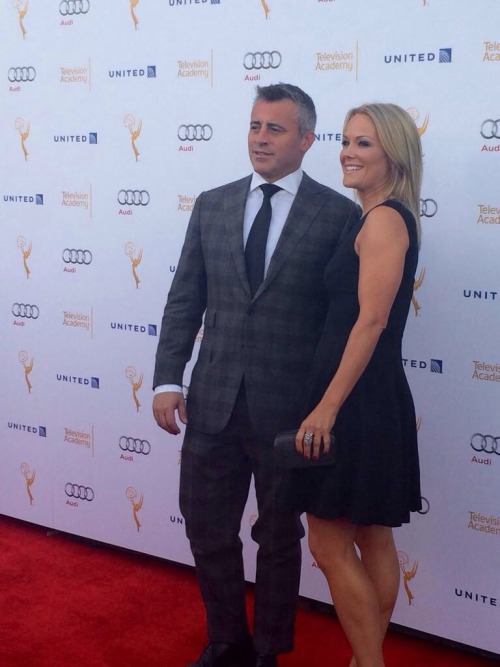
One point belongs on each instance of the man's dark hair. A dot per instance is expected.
(286, 91)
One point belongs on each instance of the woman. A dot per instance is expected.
(359, 389)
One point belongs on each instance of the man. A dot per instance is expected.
(248, 381)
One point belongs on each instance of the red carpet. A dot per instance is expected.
(68, 602)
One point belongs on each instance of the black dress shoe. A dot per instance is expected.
(266, 661)
(219, 654)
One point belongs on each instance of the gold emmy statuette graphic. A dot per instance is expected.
(419, 422)
(407, 574)
(22, 8)
(136, 382)
(418, 282)
(129, 122)
(21, 244)
(415, 114)
(135, 261)
(133, 5)
(28, 367)
(265, 7)
(131, 494)
(24, 132)
(30, 478)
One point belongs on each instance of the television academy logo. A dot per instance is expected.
(408, 573)
(487, 372)
(79, 437)
(136, 503)
(135, 20)
(135, 260)
(36, 199)
(29, 478)
(133, 73)
(22, 9)
(416, 285)
(25, 249)
(443, 55)
(488, 214)
(135, 380)
(265, 8)
(135, 130)
(23, 129)
(27, 364)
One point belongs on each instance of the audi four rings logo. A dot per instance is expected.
(25, 310)
(134, 445)
(133, 197)
(72, 7)
(490, 129)
(428, 208)
(262, 60)
(195, 132)
(425, 506)
(79, 491)
(488, 444)
(21, 74)
(72, 256)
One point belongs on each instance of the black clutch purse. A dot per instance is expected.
(288, 457)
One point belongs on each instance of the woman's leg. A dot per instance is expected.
(379, 556)
(353, 592)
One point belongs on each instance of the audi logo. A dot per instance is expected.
(134, 445)
(133, 197)
(425, 506)
(72, 256)
(485, 443)
(195, 132)
(72, 7)
(428, 208)
(490, 129)
(25, 310)
(79, 491)
(21, 74)
(262, 60)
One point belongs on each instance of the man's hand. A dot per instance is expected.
(164, 406)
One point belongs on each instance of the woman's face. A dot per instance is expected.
(364, 163)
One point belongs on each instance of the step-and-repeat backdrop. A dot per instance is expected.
(114, 116)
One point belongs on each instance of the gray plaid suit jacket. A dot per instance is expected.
(268, 340)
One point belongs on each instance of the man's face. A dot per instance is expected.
(275, 145)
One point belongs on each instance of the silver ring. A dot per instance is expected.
(308, 438)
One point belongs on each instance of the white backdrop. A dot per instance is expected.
(114, 116)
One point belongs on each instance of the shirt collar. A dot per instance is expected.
(290, 182)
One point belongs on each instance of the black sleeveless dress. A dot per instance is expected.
(376, 477)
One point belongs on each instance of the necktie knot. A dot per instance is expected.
(269, 189)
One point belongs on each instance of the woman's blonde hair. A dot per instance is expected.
(400, 141)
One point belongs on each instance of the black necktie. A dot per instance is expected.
(255, 249)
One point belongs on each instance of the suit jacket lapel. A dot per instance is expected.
(305, 208)
(233, 214)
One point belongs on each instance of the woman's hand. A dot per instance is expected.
(313, 437)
